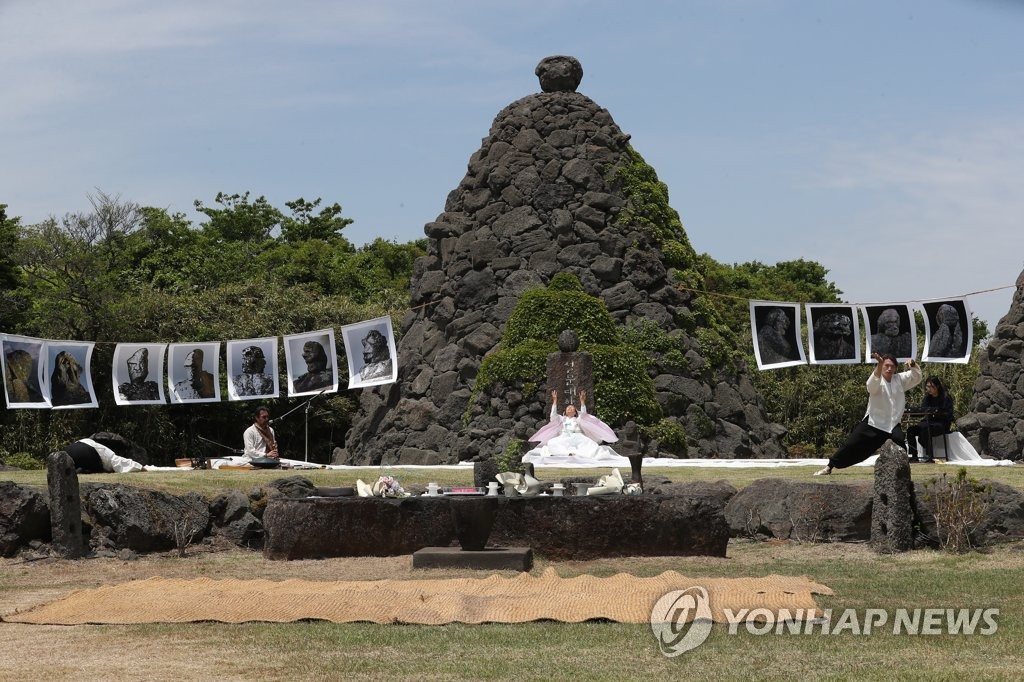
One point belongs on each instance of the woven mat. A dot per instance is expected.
(496, 599)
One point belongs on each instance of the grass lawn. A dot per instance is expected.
(211, 482)
(541, 650)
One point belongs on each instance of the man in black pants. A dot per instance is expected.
(886, 400)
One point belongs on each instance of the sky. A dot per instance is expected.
(883, 139)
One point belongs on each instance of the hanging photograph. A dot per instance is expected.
(312, 362)
(138, 373)
(949, 333)
(70, 369)
(775, 328)
(370, 350)
(24, 366)
(833, 334)
(193, 372)
(252, 369)
(890, 330)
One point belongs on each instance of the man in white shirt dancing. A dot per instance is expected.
(886, 400)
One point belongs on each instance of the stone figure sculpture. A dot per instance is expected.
(66, 381)
(833, 337)
(773, 338)
(377, 357)
(198, 383)
(947, 340)
(22, 386)
(137, 387)
(317, 375)
(889, 338)
(252, 380)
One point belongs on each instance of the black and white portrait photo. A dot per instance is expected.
(775, 328)
(370, 350)
(890, 330)
(834, 334)
(193, 371)
(24, 364)
(138, 373)
(252, 369)
(311, 361)
(949, 333)
(69, 366)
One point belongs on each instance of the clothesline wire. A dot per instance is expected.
(116, 343)
(681, 288)
(921, 300)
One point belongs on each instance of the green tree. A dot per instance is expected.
(75, 268)
(238, 220)
(303, 224)
(12, 302)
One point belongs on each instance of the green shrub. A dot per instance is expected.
(961, 505)
(623, 390)
(511, 459)
(23, 460)
(670, 435)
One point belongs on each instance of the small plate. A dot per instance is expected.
(466, 493)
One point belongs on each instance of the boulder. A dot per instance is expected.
(232, 519)
(1004, 523)
(330, 527)
(24, 517)
(807, 511)
(142, 520)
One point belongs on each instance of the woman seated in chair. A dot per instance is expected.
(940, 415)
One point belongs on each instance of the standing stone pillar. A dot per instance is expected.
(570, 372)
(892, 511)
(65, 505)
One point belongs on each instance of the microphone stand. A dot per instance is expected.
(233, 451)
(309, 407)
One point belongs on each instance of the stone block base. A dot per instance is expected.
(497, 559)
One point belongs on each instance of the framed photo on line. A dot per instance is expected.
(949, 332)
(70, 369)
(833, 333)
(890, 330)
(775, 328)
(370, 351)
(312, 363)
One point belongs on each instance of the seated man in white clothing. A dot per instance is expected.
(258, 440)
(575, 436)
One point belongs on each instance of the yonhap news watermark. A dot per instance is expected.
(681, 620)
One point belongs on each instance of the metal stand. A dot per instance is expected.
(204, 461)
(309, 408)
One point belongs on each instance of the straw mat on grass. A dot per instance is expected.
(623, 598)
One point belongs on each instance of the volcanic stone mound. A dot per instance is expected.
(543, 195)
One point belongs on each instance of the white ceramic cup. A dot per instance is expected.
(431, 489)
(492, 489)
(558, 490)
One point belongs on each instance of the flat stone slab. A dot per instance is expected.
(687, 521)
(496, 559)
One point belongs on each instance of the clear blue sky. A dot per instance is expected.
(884, 139)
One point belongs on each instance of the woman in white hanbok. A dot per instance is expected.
(574, 437)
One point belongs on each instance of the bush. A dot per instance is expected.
(961, 505)
(23, 460)
(512, 457)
